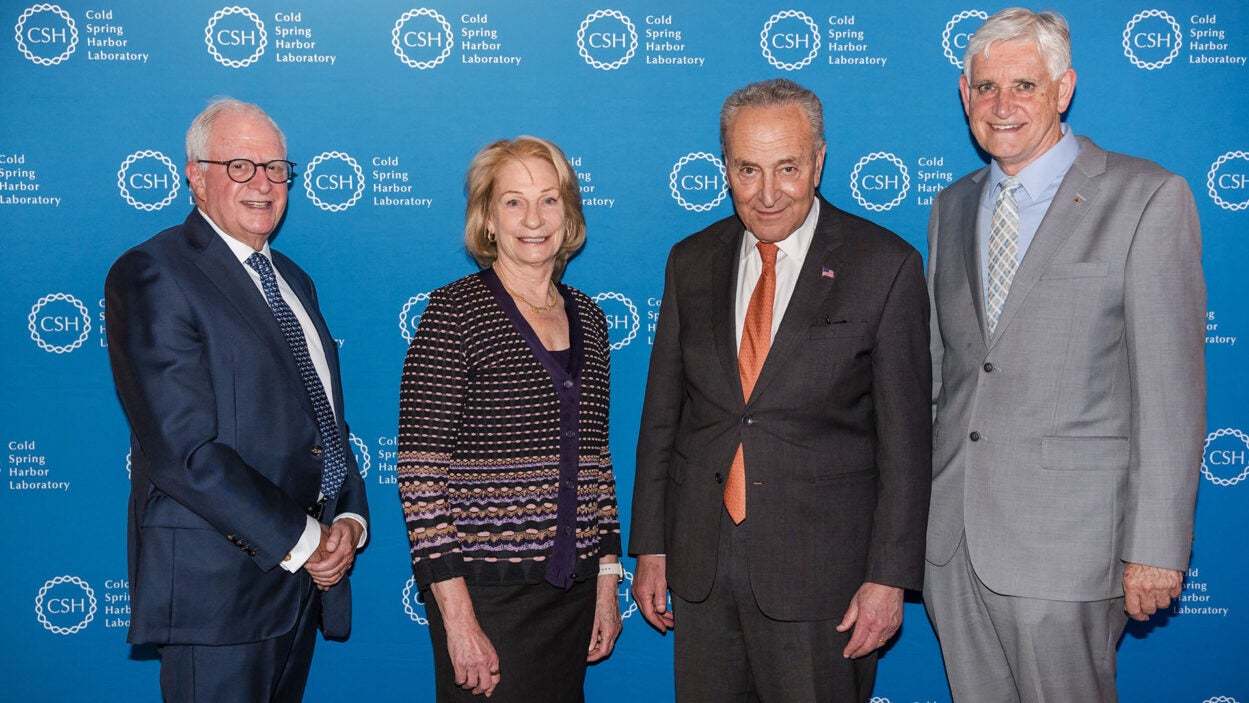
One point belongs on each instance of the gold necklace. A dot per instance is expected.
(536, 308)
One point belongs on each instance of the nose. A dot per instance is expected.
(533, 216)
(1003, 103)
(770, 191)
(260, 182)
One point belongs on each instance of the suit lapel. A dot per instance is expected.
(963, 217)
(722, 271)
(811, 292)
(1077, 195)
(223, 270)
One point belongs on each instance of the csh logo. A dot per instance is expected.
(607, 39)
(1227, 183)
(1224, 461)
(334, 181)
(698, 181)
(790, 40)
(957, 34)
(361, 450)
(410, 315)
(59, 323)
(422, 38)
(148, 180)
(880, 181)
(236, 37)
(65, 605)
(46, 34)
(623, 321)
(1152, 39)
(412, 603)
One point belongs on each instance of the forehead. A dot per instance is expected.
(783, 128)
(528, 171)
(1014, 58)
(244, 131)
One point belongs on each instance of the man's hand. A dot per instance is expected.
(607, 624)
(650, 590)
(336, 553)
(1148, 589)
(875, 613)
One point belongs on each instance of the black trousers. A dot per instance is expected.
(728, 651)
(541, 634)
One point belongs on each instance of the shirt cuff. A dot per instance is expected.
(304, 548)
(364, 534)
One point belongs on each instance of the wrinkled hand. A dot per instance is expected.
(336, 553)
(875, 613)
(473, 657)
(650, 591)
(1148, 589)
(607, 623)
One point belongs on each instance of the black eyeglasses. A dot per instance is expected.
(243, 170)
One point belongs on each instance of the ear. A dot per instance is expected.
(195, 176)
(819, 163)
(1066, 89)
(964, 91)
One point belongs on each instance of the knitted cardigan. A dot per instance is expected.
(478, 460)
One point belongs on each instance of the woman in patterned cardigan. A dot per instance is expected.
(504, 469)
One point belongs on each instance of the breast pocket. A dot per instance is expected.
(1083, 269)
(842, 329)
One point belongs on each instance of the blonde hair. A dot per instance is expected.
(479, 182)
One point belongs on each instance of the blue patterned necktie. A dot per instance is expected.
(1003, 250)
(335, 460)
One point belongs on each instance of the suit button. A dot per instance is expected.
(568, 383)
(748, 421)
(975, 436)
(719, 478)
(988, 367)
(317, 450)
(251, 552)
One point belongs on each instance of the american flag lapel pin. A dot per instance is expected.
(827, 272)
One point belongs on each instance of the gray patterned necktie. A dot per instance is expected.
(335, 469)
(1003, 250)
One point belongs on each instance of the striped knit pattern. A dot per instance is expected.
(478, 461)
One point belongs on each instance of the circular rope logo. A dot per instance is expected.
(1152, 42)
(1220, 699)
(440, 39)
(607, 42)
(149, 176)
(951, 40)
(237, 36)
(52, 34)
(63, 325)
(335, 179)
(408, 320)
(412, 603)
(1217, 181)
(1221, 456)
(65, 599)
(790, 42)
(362, 455)
(707, 181)
(864, 177)
(629, 321)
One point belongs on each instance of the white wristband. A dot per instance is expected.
(614, 568)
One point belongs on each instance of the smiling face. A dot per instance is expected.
(1013, 105)
(249, 211)
(774, 168)
(527, 213)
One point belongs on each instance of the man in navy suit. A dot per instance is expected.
(246, 506)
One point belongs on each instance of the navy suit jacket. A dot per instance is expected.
(225, 448)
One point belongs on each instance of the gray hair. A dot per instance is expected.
(200, 131)
(775, 92)
(1047, 29)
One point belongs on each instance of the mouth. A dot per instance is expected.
(1006, 127)
(533, 240)
(258, 204)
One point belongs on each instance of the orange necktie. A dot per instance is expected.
(756, 339)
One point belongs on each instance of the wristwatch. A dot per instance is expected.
(615, 568)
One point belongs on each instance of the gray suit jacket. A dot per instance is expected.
(836, 433)
(1070, 442)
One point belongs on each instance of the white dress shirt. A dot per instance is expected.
(793, 251)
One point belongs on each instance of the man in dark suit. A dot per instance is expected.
(246, 507)
(783, 461)
(1068, 338)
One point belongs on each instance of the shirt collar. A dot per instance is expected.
(794, 246)
(241, 251)
(1037, 176)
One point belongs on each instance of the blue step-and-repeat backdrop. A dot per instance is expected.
(383, 104)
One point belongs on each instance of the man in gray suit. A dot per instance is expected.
(783, 462)
(1070, 408)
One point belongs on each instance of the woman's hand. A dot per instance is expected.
(473, 658)
(606, 619)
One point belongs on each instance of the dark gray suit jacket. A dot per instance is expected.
(837, 434)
